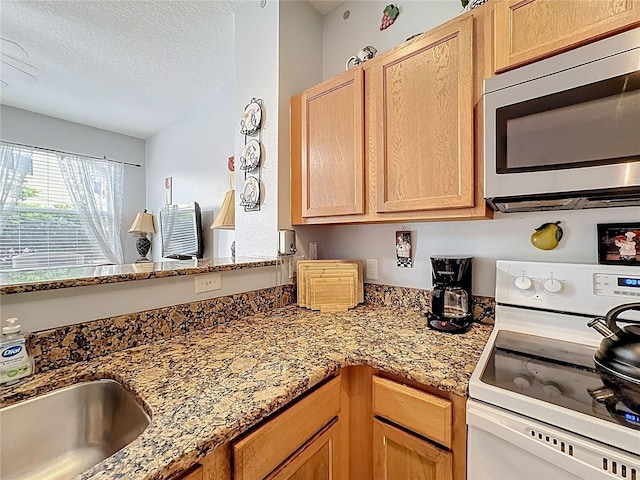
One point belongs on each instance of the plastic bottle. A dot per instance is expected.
(15, 362)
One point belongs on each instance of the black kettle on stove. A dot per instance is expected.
(617, 361)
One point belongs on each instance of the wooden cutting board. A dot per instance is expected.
(330, 271)
(332, 294)
(305, 267)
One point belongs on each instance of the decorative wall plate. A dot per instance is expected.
(251, 117)
(250, 196)
(250, 156)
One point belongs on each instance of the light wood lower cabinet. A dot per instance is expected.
(256, 455)
(398, 455)
(318, 459)
(344, 430)
(529, 30)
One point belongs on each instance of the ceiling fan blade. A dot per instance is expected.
(18, 50)
(26, 65)
(19, 74)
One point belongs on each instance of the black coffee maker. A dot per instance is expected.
(451, 300)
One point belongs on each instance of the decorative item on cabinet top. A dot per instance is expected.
(364, 54)
(471, 4)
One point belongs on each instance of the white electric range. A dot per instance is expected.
(531, 414)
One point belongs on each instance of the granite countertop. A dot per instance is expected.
(205, 388)
(22, 281)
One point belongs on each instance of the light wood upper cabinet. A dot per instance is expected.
(424, 99)
(398, 455)
(332, 147)
(317, 459)
(528, 30)
(422, 157)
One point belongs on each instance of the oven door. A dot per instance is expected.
(577, 111)
(504, 446)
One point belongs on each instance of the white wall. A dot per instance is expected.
(505, 237)
(31, 128)
(256, 44)
(300, 67)
(343, 38)
(193, 149)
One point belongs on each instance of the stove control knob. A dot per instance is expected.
(522, 382)
(552, 286)
(522, 283)
(551, 390)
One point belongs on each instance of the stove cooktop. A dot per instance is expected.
(553, 371)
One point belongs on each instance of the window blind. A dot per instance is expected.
(43, 228)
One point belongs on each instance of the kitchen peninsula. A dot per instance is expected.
(207, 387)
(22, 281)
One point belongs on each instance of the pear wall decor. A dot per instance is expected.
(547, 236)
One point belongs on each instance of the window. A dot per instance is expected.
(58, 210)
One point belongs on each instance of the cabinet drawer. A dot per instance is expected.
(413, 409)
(264, 449)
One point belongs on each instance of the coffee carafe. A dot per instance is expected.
(451, 300)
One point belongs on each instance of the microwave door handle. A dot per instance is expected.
(492, 424)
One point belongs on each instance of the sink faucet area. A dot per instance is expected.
(67, 431)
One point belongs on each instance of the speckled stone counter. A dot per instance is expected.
(206, 387)
(22, 281)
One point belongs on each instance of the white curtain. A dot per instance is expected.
(13, 168)
(96, 189)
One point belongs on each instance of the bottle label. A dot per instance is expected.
(14, 361)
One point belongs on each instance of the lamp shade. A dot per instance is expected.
(226, 219)
(143, 223)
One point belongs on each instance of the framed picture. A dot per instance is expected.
(619, 243)
(403, 249)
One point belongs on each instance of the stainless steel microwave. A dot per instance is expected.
(564, 132)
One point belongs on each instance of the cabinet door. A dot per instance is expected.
(528, 30)
(398, 455)
(424, 100)
(262, 450)
(332, 147)
(317, 459)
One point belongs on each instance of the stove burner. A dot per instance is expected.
(560, 373)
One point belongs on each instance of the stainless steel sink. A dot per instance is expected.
(65, 432)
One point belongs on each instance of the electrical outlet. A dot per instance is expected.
(313, 250)
(372, 269)
(208, 283)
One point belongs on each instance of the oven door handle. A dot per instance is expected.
(490, 422)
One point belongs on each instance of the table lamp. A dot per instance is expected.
(226, 218)
(143, 224)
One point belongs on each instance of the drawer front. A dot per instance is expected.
(264, 449)
(421, 412)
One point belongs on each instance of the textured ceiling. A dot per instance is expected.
(126, 66)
